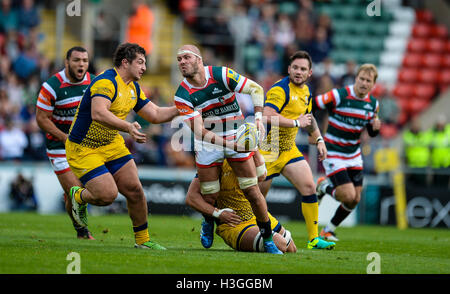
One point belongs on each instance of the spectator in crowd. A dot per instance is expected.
(140, 25)
(440, 144)
(9, 20)
(417, 143)
(22, 194)
(28, 17)
(320, 47)
(349, 76)
(284, 33)
(13, 141)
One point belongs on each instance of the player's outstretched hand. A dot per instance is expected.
(261, 130)
(322, 150)
(230, 217)
(376, 124)
(305, 120)
(134, 132)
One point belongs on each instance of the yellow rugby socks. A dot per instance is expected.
(310, 211)
(77, 196)
(141, 234)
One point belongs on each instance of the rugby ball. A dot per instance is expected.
(247, 135)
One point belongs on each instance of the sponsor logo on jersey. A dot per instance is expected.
(231, 74)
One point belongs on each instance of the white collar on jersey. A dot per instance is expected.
(66, 79)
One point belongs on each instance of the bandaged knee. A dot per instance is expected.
(245, 183)
(210, 187)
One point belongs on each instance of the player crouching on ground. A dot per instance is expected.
(233, 212)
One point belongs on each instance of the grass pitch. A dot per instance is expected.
(40, 244)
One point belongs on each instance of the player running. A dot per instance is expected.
(350, 110)
(55, 109)
(288, 108)
(96, 152)
(234, 216)
(207, 102)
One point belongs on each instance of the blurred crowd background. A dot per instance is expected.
(266, 33)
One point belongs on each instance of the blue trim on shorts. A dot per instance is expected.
(271, 177)
(101, 170)
(295, 160)
(241, 234)
(114, 165)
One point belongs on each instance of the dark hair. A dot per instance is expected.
(301, 55)
(127, 51)
(77, 49)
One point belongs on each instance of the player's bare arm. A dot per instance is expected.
(100, 112)
(256, 92)
(157, 115)
(272, 116)
(195, 200)
(44, 121)
(316, 137)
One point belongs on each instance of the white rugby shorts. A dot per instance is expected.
(208, 155)
(335, 165)
(58, 161)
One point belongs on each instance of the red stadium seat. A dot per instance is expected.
(444, 77)
(435, 45)
(417, 45)
(421, 30)
(402, 90)
(378, 90)
(445, 60)
(388, 131)
(424, 91)
(412, 60)
(447, 46)
(403, 117)
(428, 76)
(403, 102)
(417, 105)
(424, 16)
(439, 31)
(408, 75)
(431, 60)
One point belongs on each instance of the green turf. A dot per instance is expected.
(39, 244)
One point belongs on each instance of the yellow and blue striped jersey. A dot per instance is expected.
(124, 98)
(290, 101)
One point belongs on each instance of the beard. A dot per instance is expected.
(192, 73)
(73, 75)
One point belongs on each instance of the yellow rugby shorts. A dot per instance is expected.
(88, 163)
(275, 162)
(233, 235)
